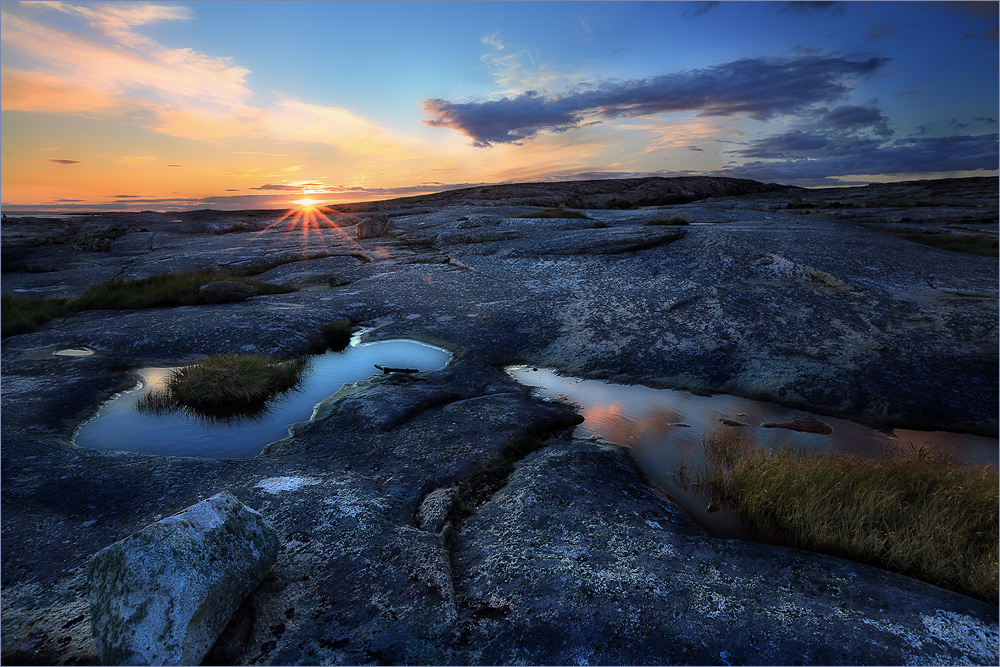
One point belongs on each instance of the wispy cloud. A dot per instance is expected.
(100, 66)
(61, 161)
(516, 70)
(758, 87)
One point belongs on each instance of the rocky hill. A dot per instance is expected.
(605, 193)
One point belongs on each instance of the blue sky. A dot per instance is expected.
(255, 104)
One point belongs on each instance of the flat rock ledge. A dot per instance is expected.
(162, 595)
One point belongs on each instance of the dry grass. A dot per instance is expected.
(169, 289)
(913, 513)
(24, 314)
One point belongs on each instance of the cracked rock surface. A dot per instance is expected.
(403, 538)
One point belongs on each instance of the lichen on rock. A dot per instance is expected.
(163, 594)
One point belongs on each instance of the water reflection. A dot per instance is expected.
(119, 426)
(664, 428)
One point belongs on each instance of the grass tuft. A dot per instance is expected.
(334, 336)
(913, 513)
(225, 386)
(22, 314)
(674, 221)
(973, 245)
(558, 212)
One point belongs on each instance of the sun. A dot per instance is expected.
(306, 203)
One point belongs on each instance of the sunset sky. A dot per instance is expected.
(166, 106)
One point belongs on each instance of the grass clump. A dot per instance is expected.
(557, 212)
(24, 314)
(225, 386)
(973, 245)
(674, 221)
(165, 290)
(334, 336)
(915, 513)
(21, 314)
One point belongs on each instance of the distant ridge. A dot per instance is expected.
(604, 193)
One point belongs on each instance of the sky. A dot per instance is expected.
(239, 105)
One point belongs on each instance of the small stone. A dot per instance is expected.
(803, 424)
(730, 422)
(162, 595)
(227, 291)
(712, 507)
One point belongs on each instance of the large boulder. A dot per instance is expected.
(373, 226)
(227, 291)
(163, 595)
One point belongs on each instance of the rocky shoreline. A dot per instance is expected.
(569, 556)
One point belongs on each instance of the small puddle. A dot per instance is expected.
(119, 426)
(74, 352)
(664, 428)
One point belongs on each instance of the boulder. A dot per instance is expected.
(802, 424)
(162, 595)
(227, 291)
(373, 227)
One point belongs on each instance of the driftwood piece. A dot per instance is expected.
(389, 369)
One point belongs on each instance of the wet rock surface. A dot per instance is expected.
(402, 539)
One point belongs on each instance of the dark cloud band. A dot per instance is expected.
(758, 87)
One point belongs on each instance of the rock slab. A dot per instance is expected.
(162, 595)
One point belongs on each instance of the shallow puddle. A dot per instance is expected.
(664, 428)
(119, 426)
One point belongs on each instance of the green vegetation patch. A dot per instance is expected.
(22, 314)
(558, 212)
(972, 245)
(914, 513)
(674, 221)
(169, 289)
(225, 386)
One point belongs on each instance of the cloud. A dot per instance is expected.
(758, 87)
(135, 159)
(855, 117)
(518, 69)
(103, 62)
(813, 7)
(176, 165)
(880, 31)
(703, 8)
(855, 155)
(92, 62)
(60, 161)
